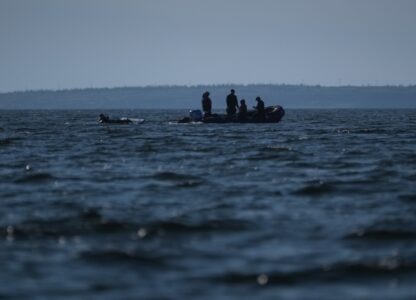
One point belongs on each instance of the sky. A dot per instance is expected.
(60, 44)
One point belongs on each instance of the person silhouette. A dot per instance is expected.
(260, 111)
(206, 104)
(232, 103)
(242, 113)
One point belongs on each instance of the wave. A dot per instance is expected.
(275, 152)
(362, 130)
(92, 222)
(337, 272)
(35, 178)
(178, 180)
(6, 141)
(382, 234)
(171, 176)
(315, 189)
(408, 197)
(87, 222)
(117, 256)
(9, 140)
(207, 225)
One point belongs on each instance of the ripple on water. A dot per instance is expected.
(386, 229)
(6, 141)
(35, 178)
(382, 234)
(315, 188)
(138, 257)
(386, 268)
(178, 180)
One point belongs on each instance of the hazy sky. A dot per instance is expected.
(55, 44)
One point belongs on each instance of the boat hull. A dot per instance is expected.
(274, 114)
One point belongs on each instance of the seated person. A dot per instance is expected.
(242, 113)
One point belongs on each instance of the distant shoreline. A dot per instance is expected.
(168, 86)
(177, 97)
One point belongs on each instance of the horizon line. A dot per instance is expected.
(206, 85)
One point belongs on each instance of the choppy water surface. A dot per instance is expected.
(321, 205)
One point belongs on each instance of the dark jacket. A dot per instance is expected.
(206, 104)
(243, 110)
(232, 104)
(260, 108)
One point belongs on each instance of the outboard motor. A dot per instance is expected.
(195, 115)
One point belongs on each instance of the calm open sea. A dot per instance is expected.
(319, 206)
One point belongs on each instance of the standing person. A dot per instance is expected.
(242, 113)
(232, 103)
(260, 111)
(206, 104)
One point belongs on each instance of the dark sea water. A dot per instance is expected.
(319, 206)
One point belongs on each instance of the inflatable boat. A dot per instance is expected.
(273, 114)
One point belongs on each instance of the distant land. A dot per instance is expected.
(186, 97)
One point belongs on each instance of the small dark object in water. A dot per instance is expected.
(185, 120)
(106, 119)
